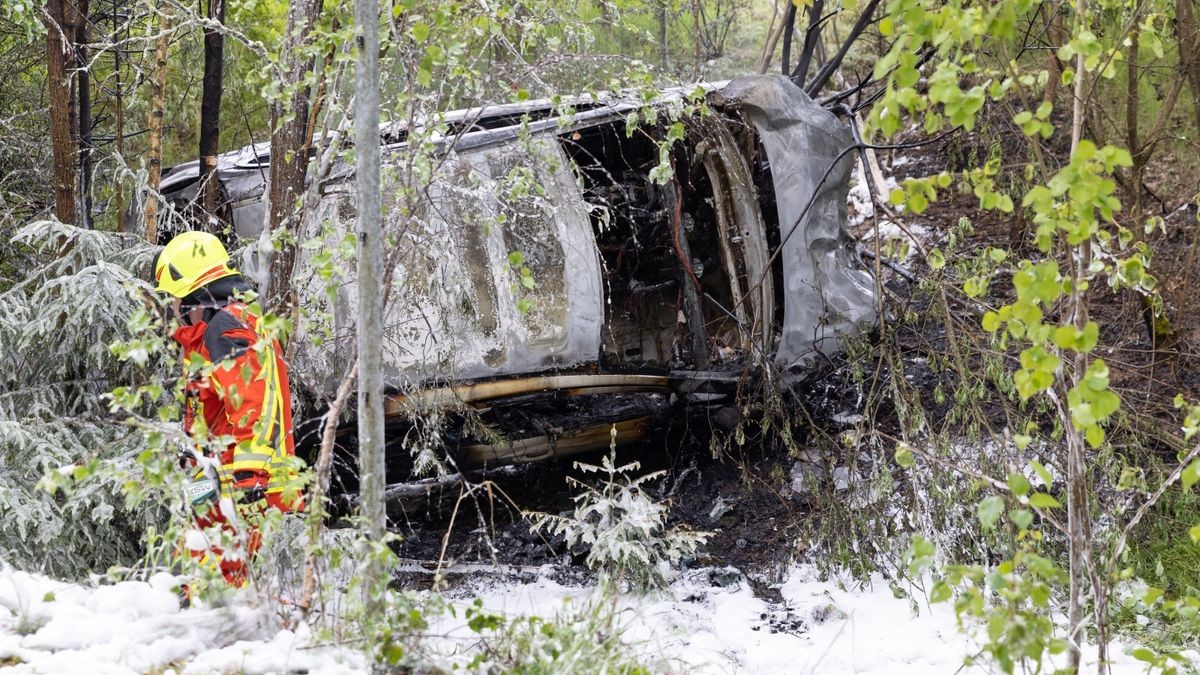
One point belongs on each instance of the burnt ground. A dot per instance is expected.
(749, 515)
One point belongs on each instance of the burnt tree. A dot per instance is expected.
(210, 108)
(812, 42)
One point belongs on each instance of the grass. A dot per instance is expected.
(1163, 555)
(1161, 551)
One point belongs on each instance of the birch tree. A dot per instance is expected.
(370, 270)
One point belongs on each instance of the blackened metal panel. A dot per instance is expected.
(827, 292)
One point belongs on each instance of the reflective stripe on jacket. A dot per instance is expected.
(245, 395)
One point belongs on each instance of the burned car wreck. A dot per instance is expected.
(548, 292)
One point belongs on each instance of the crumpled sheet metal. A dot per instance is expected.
(827, 292)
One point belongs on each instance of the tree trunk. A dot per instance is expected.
(370, 284)
(1187, 32)
(1056, 34)
(318, 98)
(289, 159)
(83, 82)
(774, 32)
(864, 19)
(60, 35)
(663, 46)
(210, 110)
(812, 38)
(1132, 101)
(118, 192)
(158, 88)
(1078, 515)
(789, 30)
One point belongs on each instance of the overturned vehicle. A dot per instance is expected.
(548, 294)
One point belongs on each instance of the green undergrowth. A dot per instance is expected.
(1160, 550)
(1165, 559)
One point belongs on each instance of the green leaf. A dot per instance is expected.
(420, 32)
(886, 27)
(1084, 151)
(1018, 483)
(1143, 654)
(920, 555)
(1041, 500)
(975, 287)
(1190, 475)
(1064, 337)
(631, 123)
(941, 592)
(1194, 533)
(904, 456)
(1040, 595)
(1087, 339)
(1151, 595)
(989, 511)
(990, 321)
(1021, 518)
(996, 626)
(936, 259)
(1042, 472)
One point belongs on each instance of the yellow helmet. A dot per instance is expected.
(190, 261)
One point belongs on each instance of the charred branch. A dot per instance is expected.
(210, 108)
(865, 19)
(812, 38)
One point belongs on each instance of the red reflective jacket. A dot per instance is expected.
(245, 396)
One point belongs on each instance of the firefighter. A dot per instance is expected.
(238, 394)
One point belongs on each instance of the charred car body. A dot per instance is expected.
(637, 298)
